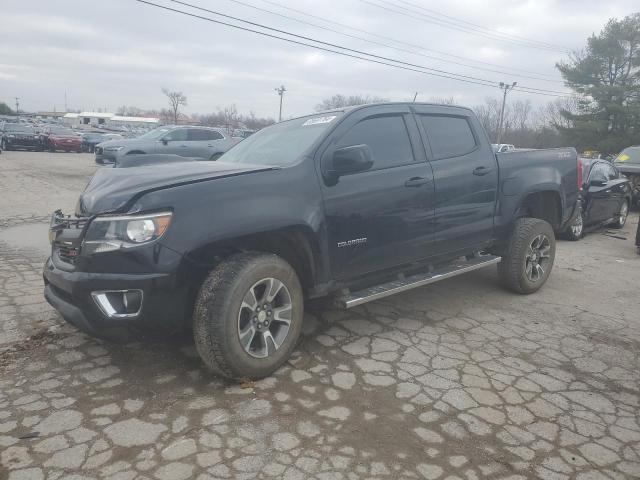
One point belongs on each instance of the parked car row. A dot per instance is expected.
(22, 136)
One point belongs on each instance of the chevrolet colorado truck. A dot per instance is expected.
(358, 204)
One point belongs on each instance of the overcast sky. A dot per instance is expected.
(108, 53)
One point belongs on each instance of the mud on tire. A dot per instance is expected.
(222, 315)
(530, 255)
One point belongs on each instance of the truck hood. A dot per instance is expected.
(110, 190)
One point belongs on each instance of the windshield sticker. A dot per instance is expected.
(318, 120)
(622, 158)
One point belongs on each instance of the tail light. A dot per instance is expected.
(579, 174)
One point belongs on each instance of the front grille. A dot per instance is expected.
(60, 221)
(67, 254)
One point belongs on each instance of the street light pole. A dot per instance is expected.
(505, 89)
(17, 110)
(280, 91)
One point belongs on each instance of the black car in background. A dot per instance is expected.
(18, 136)
(606, 197)
(91, 139)
(628, 163)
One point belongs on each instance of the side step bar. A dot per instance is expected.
(447, 271)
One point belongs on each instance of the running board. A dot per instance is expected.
(447, 271)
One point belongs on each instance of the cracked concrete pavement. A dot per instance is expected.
(458, 380)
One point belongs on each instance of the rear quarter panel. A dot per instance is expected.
(523, 172)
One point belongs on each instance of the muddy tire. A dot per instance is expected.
(248, 316)
(529, 258)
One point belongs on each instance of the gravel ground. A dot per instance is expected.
(457, 380)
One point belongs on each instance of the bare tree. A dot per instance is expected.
(176, 99)
(442, 100)
(230, 118)
(341, 101)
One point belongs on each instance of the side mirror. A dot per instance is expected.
(164, 141)
(350, 160)
(596, 182)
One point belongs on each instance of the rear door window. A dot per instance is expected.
(179, 134)
(386, 136)
(448, 136)
(202, 134)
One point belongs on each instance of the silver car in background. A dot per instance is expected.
(183, 140)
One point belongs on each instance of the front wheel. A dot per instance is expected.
(575, 231)
(248, 316)
(623, 213)
(530, 255)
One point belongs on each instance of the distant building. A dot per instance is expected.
(105, 119)
(50, 115)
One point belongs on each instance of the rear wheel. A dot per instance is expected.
(530, 255)
(248, 316)
(622, 215)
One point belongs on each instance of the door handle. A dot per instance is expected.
(416, 182)
(482, 171)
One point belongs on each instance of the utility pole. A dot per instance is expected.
(65, 101)
(505, 89)
(17, 109)
(280, 91)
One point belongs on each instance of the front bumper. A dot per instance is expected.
(66, 145)
(164, 303)
(104, 157)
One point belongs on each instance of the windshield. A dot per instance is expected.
(16, 127)
(629, 155)
(281, 144)
(155, 134)
(61, 131)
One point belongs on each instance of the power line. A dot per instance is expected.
(376, 59)
(374, 42)
(496, 32)
(447, 24)
(359, 52)
(401, 42)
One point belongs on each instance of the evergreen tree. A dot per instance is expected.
(606, 76)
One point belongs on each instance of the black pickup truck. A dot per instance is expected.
(357, 203)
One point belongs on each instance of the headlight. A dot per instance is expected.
(113, 149)
(106, 234)
(11, 135)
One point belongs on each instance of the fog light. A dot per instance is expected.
(119, 303)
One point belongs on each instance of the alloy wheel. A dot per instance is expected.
(624, 212)
(537, 259)
(577, 226)
(265, 317)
